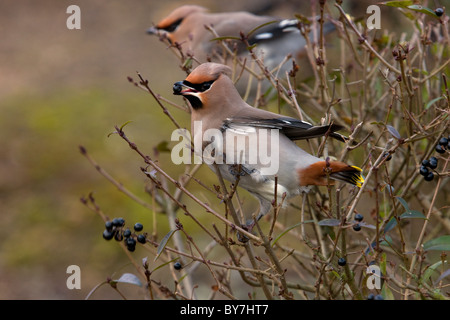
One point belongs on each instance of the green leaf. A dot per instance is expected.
(417, 70)
(429, 104)
(410, 16)
(367, 225)
(430, 270)
(412, 214)
(388, 187)
(225, 38)
(383, 261)
(387, 241)
(303, 19)
(390, 225)
(329, 222)
(409, 214)
(337, 275)
(386, 292)
(393, 132)
(188, 63)
(163, 243)
(95, 289)
(164, 264)
(182, 278)
(259, 27)
(163, 146)
(403, 202)
(126, 123)
(120, 129)
(422, 9)
(398, 4)
(128, 278)
(444, 274)
(289, 229)
(439, 244)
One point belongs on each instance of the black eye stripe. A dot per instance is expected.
(199, 86)
(173, 26)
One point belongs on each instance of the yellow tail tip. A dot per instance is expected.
(352, 176)
(358, 178)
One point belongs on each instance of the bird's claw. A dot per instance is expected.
(247, 227)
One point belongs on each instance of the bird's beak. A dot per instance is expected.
(180, 88)
(153, 30)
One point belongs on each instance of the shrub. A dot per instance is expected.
(391, 93)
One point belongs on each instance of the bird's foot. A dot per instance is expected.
(247, 227)
(239, 170)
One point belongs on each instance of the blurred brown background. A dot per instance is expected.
(63, 88)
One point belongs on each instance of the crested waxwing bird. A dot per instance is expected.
(275, 39)
(217, 106)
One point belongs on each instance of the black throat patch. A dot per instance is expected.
(196, 103)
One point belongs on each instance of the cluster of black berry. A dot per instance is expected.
(116, 229)
(371, 296)
(443, 144)
(358, 218)
(426, 165)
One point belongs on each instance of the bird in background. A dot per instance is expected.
(275, 40)
(216, 104)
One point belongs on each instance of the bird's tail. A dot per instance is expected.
(318, 173)
(349, 174)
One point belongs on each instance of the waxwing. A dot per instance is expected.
(241, 131)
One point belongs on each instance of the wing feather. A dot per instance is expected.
(292, 128)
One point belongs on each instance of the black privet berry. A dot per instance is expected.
(108, 235)
(108, 225)
(127, 233)
(433, 163)
(423, 171)
(118, 222)
(131, 244)
(388, 156)
(141, 239)
(356, 227)
(138, 227)
(426, 162)
(371, 296)
(359, 217)
(439, 149)
(439, 11)
(379, 297)
(429, 176)
(342, 262)
(443, 141)
(177, 266)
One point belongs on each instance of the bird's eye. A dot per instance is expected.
(205, 86)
